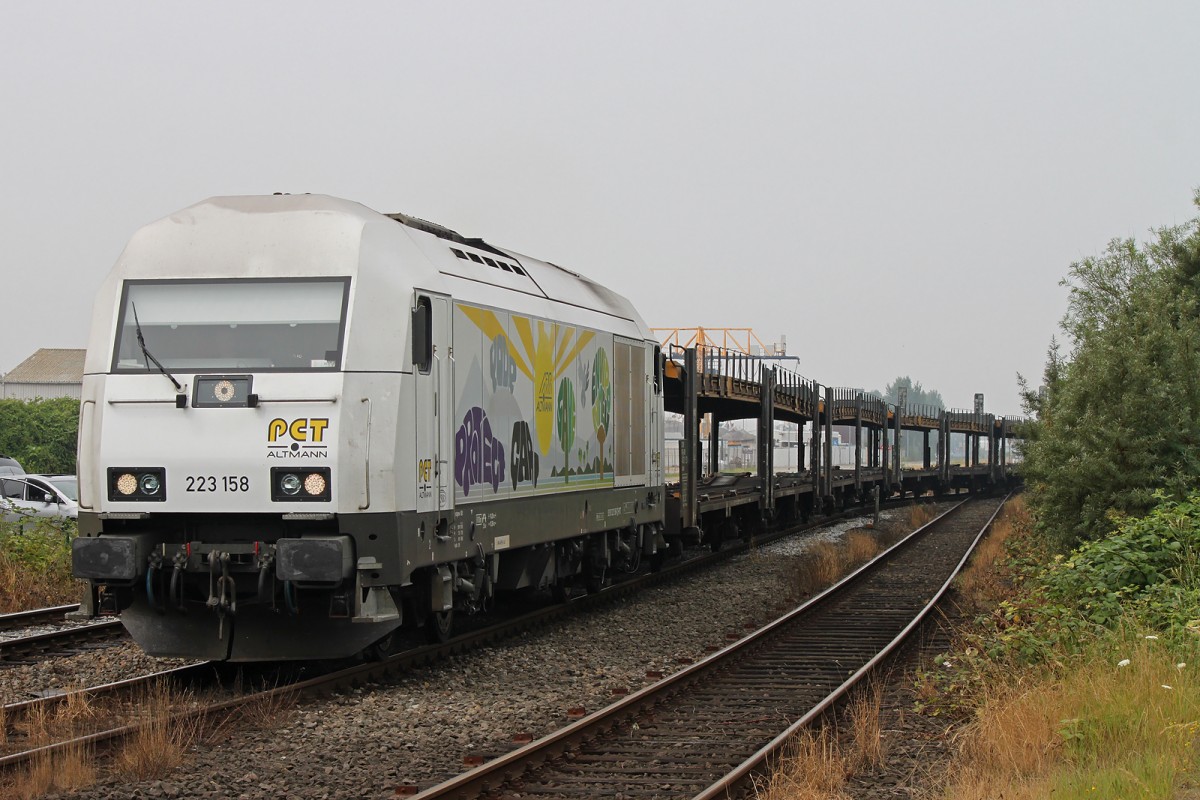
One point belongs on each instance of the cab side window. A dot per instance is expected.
(422, 335)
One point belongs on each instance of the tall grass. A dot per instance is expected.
(159, 745)
(826, 562)
(919, 514)
(158, 748)
(818, 762)
(35, 565)
(867, 745)
(812, 769)
(68, 770)
(1120, 721)
(985, 581)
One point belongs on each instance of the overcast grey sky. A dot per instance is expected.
(805, 169)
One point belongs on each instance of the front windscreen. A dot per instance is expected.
(203, 326)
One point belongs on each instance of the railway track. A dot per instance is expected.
(37, 616)
(112, 695)
(106, 703)
(34, 647)
(705, 731)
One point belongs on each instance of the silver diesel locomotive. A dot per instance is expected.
(305, 423)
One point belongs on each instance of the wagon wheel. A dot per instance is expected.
(565, 590)
(597, 578)
(714, 537)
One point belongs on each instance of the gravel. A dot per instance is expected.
(106, 663)
(417, 729)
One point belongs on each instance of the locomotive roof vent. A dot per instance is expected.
(494, 263)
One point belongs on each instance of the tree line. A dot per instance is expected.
(1117, 414)
(41, 434)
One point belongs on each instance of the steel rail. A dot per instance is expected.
(12, 649)
(516, 768)
(35, 616)
(13, 713)
(758, 762)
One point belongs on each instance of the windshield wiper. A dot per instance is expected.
(150, 356)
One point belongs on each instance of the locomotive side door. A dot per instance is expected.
(654, 438)
(433, 376)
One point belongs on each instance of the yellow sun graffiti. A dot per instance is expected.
(542, 361)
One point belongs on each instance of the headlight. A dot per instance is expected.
(315, 483)
(292, 485)
(134, 484)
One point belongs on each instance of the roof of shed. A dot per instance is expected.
(49, 365)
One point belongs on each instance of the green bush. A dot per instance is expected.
(1148, 566)
(35, 564)
(41, 434)
(1144, 574)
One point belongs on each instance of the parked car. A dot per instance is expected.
(26, 496)
(9, 466)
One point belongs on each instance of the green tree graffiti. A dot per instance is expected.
(601, 401)
(565, 419)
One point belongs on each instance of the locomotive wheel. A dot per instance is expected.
(382, 649)
(440, 626)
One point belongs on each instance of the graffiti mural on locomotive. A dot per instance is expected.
(534, 405)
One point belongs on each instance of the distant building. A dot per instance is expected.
(48, 373)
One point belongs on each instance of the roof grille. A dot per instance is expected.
(494, 264)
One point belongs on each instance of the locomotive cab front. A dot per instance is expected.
(224, 429)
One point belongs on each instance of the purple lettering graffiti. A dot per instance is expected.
(478, 458)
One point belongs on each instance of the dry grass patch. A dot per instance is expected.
(266, 711)
(920, 514)
(984, 582)
(23, 588)
(816, 764)
(867, 748)
(1015, 732)
(812, 769)
(861, 546)
(818, 567)
(159, 746)
(1120, 722)
(70, 769)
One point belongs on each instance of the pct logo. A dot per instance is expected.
(307, 435)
